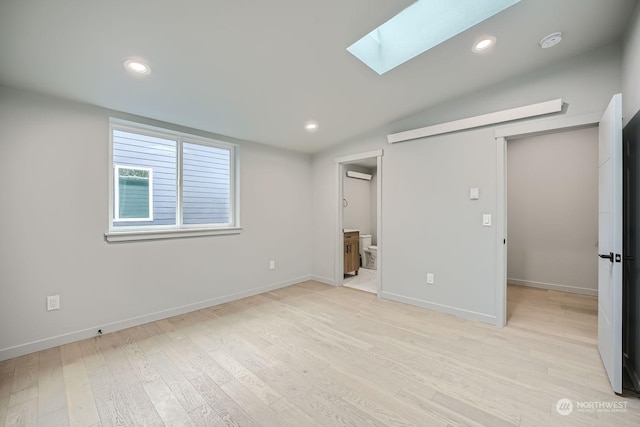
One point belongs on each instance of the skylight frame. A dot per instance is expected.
(420, 27)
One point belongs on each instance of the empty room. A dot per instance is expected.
(316, 213)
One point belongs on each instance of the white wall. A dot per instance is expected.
(357, 214)
(631, 68)
(552, 188)
(53, 214)
(428, 222)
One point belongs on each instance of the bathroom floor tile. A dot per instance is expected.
(366, 280)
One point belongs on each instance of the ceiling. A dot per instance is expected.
(258, 70)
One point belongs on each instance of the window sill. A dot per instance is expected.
(130, 236)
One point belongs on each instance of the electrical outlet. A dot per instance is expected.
(272, 265)
(430, 279)
(53, 302)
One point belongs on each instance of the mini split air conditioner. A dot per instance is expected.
(358, 175)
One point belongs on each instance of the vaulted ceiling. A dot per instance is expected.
(258, 70)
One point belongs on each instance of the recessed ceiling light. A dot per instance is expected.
(311, 126)
(136, 67)
(483, 44)
(551, 40)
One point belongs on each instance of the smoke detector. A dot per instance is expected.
(550, 40)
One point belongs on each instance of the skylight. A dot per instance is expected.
(420, 27)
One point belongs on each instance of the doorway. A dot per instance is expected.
(552, 204)
(359, 221)
(610, 251)
(513, 133)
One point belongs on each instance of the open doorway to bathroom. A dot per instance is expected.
(359, 184)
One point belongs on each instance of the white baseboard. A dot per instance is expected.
(323, 280)
(43, 344)
(553, 287)
(467, 314)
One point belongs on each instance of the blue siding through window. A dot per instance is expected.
(206, 183)
(206, 178)
(133, 149)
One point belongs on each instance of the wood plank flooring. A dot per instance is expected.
(316, 355)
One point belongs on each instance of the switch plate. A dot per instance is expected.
(430, 279)
(53, 302)
(486, 220)
(272, 265)
(474, 193)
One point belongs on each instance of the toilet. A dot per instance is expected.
(368, 253)
(371, 258)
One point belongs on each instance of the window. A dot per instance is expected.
(133, 196)
(169, 184)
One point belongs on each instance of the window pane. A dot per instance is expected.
(206, 184)
(133, 192)
(159, 156)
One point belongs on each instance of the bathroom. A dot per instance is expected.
(360, 212)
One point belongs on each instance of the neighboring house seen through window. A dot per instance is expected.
(170, 181)
(133, 198)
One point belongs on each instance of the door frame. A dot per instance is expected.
(339, 214)
(502, 135)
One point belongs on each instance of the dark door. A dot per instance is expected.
(631, 249)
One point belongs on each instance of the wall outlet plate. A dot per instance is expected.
(272, 265)
(53, 302)
(430, 279)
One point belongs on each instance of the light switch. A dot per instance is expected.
(474, 193)
(486, 220)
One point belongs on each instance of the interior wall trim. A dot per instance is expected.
(553, 287)
(527, 111)
(547, 125)
(467, 314)
(359, 156)
(324, 280)
(45, 343)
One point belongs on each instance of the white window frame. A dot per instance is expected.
(116, 193)
(178, 230)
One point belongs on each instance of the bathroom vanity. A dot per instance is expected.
(351, 251)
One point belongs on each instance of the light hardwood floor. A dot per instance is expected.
(315, 355)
